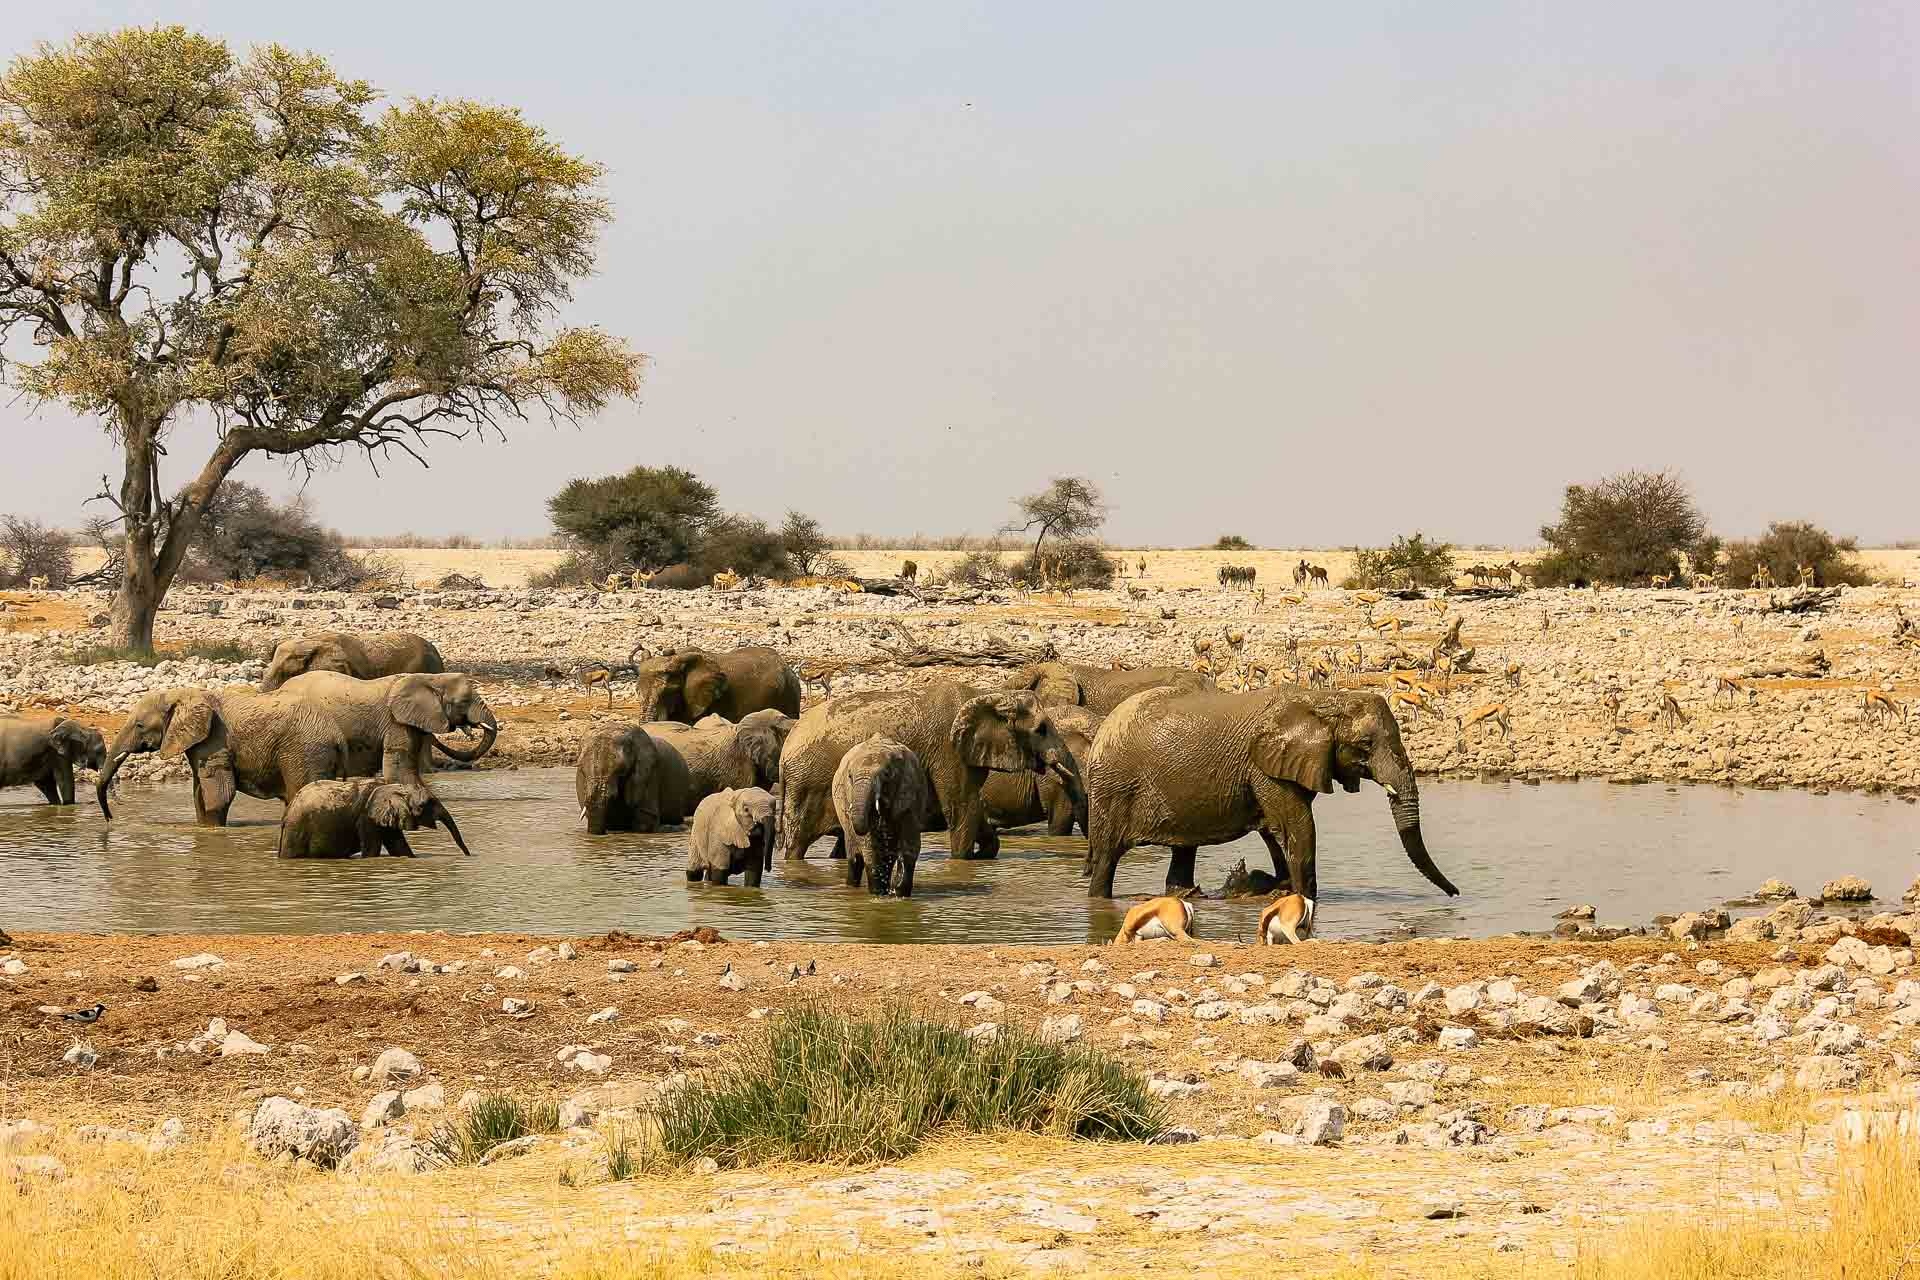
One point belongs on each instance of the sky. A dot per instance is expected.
(1316, 273)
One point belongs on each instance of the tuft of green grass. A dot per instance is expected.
(823, 1086)
(94, 655)
(493, 1121)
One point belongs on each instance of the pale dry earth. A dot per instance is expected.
(1804, 727)
(1508, 1097)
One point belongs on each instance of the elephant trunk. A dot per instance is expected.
(1065, 769)
(1403, 798)
(865, 796)
(453, 829)
(124, 744)
(467, 756)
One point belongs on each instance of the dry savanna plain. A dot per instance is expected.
(1697, 1097)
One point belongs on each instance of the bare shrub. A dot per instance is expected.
(29, 550)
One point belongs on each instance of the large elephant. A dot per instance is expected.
(720, 754)
(1191, 769)
(361, 818)
(960, 735)
(268, 745)
(882, 799)
(391, 653)
(1020, 799)
(1098, 689)
(732, 833)
(46, 752)
(390, 723)
(625, 780)
(692, 684)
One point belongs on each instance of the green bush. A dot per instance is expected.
(1409, 562)
(978, 568)
(29, 550)
(1788, 544)
(493, 1121)
(823, 1086)
(1625, 529)
(1231, 542)
(1077, 563)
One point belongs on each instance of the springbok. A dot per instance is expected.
(1671, 716)
(1413, 700)
(1492, 712)
(1875, 704)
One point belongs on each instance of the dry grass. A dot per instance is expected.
(214, 1211)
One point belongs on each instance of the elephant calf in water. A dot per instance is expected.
(732, 833)
(360, 818)
(45, 753)
(882, 799)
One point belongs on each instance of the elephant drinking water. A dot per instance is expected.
(1191, 769)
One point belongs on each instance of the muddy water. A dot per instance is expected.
(1518, 853)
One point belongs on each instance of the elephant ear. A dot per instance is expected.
(328, 657)
(762, 746)
(415, 702)
(70, 739)
(983, 731)
(388, 807)
(1055, 685)
(727, 821)
(191, 723)
(1295, 745)
(706, 685)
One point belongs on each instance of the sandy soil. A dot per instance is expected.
(1564, 1134)
(1191, 567)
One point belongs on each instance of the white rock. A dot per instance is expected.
(384, 1108)
(509, 973)
(282, 1126)
(1212, 1011)
(607, 1014)
(1161, 1087)
(1203, 960)
(1322, 1122)
(620, 965)
(1151, 1010)
(983, 1032)
(1457, 1038)
(394, 1066)
(513, 1004)
(1064, 1029)
(205, 960)
(80, 1055)
(1268, 1075)
(239, 1044)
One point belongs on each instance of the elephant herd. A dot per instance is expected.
(343, 730)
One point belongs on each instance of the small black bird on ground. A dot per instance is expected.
(85, 1015)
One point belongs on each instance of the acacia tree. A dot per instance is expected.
(1068, 508)
(184, 232)
(1624, 528)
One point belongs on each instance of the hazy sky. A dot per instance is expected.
(1315, 273)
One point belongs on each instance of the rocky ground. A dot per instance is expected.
(1398, 1102)
(1801, 725)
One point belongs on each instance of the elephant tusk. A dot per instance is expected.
(1390, 791)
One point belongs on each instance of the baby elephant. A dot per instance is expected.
(732, 832)
(46, 752)
(882, 797)
(359, 818)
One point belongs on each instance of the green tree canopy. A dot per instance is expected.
(1070, 507)
(185, 231)
(1624, 529)
(650, 516)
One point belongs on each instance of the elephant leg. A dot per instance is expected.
(693, 875)
(1278, 852)
(856, 864)
(1103, 858)
(716, 875)
(804, 821)
(49, 789)
(1180, 867)
(202, 815)
(839, 846)
(397, 846)
(909, 856)
(1293, 819)
(756, 861)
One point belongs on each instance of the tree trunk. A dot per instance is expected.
(151, 562)
(140, 592)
